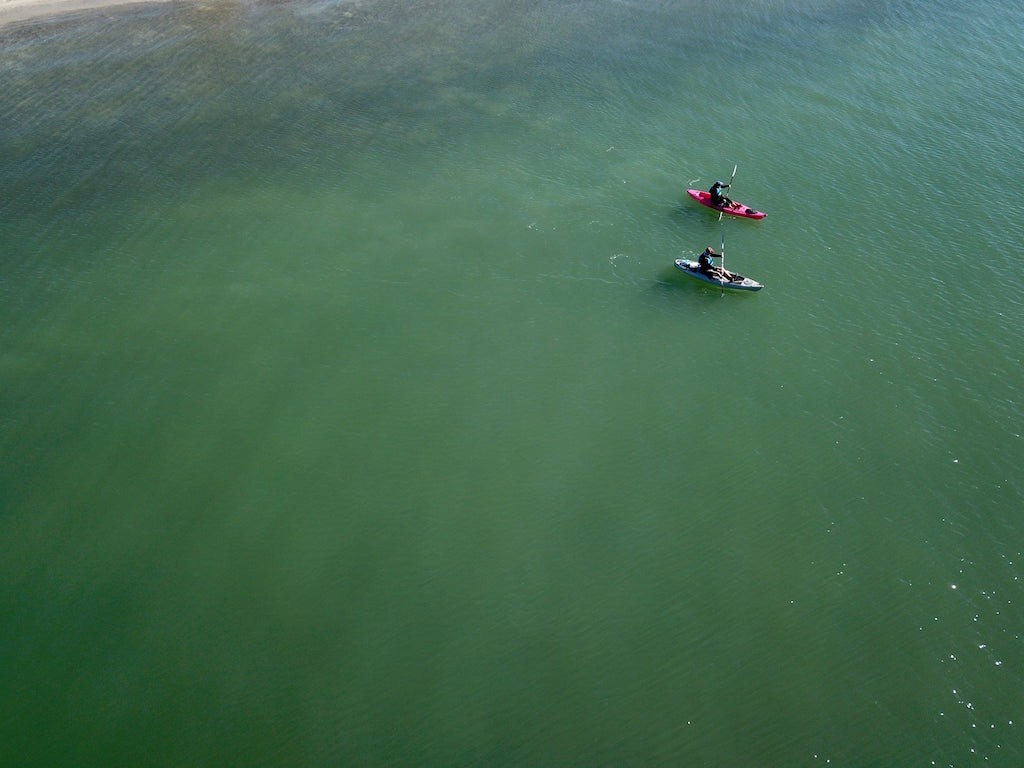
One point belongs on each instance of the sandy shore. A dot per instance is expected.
(22, 10)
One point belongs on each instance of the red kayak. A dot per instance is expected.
(737, 209)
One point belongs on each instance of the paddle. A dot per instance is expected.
(722, 279)
(730, 187)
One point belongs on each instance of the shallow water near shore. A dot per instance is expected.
(352, 412)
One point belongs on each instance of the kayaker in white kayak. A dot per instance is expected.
(717, 198)
(706, 266)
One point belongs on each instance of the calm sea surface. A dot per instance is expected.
(352, 412)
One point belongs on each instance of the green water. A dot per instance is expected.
(352, 412)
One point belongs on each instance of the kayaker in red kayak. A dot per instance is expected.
(717, 198)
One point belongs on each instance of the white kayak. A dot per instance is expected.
(736, 283)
